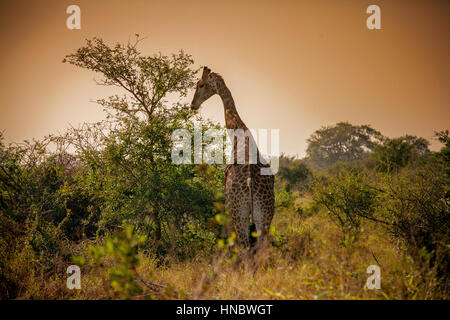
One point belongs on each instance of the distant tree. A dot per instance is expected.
(399, 152)
(342, 142)
(443, 136)
(444, 153)
(293, 172)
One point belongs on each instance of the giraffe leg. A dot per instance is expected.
(263, 208)
(262, 223)
(240, 221)
(238, 203)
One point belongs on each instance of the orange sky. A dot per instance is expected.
(290, 64)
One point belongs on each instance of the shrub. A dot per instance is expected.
(120, 254)
(348, 198)
(416, 206)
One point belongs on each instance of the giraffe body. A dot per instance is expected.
(249, 194)
(249, 200)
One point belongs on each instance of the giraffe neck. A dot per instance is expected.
(232, 118)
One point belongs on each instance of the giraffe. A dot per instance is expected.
(249, 195)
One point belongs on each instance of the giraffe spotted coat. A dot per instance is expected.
(249, 194)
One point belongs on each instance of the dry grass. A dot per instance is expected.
(306, 261)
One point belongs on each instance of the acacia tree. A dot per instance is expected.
(342, 142)
(131, 151)
(396, 153)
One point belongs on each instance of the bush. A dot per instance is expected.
(284, 199)
(411, 204)
(348, 198)
(416, 206)
(293, 174)
(121, 249)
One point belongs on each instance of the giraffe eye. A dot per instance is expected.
(202, 85)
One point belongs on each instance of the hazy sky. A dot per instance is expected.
(290, 64)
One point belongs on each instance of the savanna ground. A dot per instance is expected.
(108, 198)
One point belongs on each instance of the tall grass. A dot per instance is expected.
(306, 260)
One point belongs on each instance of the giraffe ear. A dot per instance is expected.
(206, 72)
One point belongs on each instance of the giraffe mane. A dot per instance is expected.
(218, 76)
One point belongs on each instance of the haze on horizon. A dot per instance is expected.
(291, 65)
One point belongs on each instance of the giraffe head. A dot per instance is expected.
(206, 88)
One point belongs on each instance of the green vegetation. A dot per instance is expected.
(107, 197)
